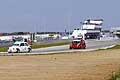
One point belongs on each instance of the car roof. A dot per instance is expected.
(76, 40)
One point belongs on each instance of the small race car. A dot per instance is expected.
(77, 44)
(20, 47)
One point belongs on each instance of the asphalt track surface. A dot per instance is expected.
(91, 45)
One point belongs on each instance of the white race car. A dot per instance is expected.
(19, 47)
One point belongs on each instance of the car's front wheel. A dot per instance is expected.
(18, 51)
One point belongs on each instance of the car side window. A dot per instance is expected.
(22, 44)
(26, 44)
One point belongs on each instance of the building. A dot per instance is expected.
(90, 29)
(116, 31)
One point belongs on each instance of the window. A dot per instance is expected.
(15, 44)
(26, 44)
(22, 44)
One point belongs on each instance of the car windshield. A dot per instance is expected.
(15, 44)
(76, 42)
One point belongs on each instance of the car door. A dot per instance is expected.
(23, 47)
(26, 47)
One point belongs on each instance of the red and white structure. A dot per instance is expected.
(92, 24)
(90, 29)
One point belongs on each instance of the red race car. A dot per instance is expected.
(78, 44)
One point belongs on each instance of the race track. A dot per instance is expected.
(91, 44)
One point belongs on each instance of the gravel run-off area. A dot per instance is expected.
(94, 65)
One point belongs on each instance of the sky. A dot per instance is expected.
(55, 15)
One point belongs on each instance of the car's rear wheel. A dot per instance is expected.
(29, 50)
(83, 47)
(70, 48)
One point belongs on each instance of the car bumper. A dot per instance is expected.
(76, 47)
(12, 51)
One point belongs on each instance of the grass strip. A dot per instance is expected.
(3, 49)
(115, 47)
(115, 76)
(49, 45)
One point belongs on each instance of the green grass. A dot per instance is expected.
(4, 49)
(115, 47)
(115, 76)
(49, 45)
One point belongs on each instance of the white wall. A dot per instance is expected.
(9, 38)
